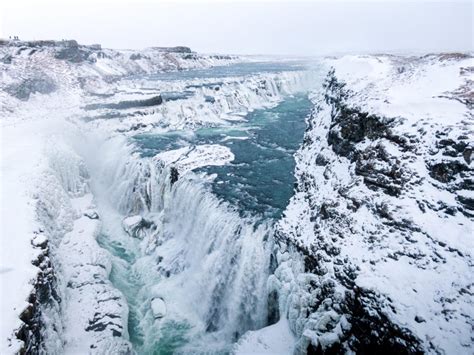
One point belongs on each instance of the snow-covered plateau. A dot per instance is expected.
(119, 231)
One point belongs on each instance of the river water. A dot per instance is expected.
(208, 256)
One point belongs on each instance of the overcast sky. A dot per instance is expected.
(247, 27)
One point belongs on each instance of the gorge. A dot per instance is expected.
(171, 202)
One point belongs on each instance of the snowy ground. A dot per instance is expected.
(21, 161)
(275, 339)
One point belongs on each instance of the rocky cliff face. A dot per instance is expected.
(73, 307)
(376, 244)
(43, 302)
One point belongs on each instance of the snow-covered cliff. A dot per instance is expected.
(376, 245)
(46, 66)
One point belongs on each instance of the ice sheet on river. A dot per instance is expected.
(193, 157)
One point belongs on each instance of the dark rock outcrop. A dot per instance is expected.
(123, 105)
(177, 49)
(174, 175)
(41, 84)
(73, 54)
(7, 59)
(43, 296)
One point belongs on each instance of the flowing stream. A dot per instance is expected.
(204, 244)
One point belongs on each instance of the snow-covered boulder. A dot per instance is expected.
(158, 307)
(131, 223)
(137, 226)
(40, 240)
(92, 214)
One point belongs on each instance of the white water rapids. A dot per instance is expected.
(208, 265)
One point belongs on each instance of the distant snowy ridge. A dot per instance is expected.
(44, 67)
(376, 245)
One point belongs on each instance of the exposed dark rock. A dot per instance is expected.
(122, 105)
(135, 56)
(327, 210)
(7, 59)
(390, 177)
(273, 315)
(23, 90)
(72, 53)
(41, 243)
(91, 214)
(446, 171)
(221, 57)
(467, 155)
(138, 227)
(451, 56)
(178, 49)
(372, 332)
(95, 47)
(137, 126)
(419, 319)
(453, 173)
(209, 99)
(44, 296)
(467, 202)
(100, 325)
(42, 43)
(69, 43)
(174, 175)
(321, 160)
(190, 56)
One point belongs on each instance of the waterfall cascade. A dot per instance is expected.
(191, 250)
(150, 256)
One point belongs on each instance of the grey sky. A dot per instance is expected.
(248, 27)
